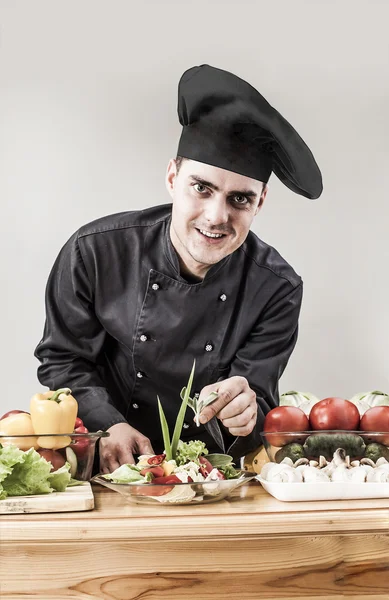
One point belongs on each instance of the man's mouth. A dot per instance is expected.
(210, 234)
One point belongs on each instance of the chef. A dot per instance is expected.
(134, 298)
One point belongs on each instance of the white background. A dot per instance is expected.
(88, 122)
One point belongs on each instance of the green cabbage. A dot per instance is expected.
(302, 400)
(368, 400)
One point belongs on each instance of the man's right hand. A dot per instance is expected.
(119, 448)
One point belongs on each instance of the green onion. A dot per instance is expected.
(181, 414)
(165, 431)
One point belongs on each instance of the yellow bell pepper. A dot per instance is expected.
(15, 425)
(54, 413)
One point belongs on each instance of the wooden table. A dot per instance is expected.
(251, 546)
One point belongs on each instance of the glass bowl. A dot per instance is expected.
(199, 492)
(312, 444)
(78, 449)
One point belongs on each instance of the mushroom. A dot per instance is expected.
(322, 462)
(301, 461)
(341, 464)
(378, 475)
(311, 474)
(368, 461)
(287, 461)
(280, 473)
(357, 474)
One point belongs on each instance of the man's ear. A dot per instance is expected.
(171, 174)
(262, 198)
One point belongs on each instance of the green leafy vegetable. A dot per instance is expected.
(190, 452)
(60, 479)
(229, 472)
(27, 473)
(165, 431)
(198, 405)
(223, 462)
(220, 460)
(181, 414)
(126, 474)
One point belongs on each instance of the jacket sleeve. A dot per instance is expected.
(262, 360)
(73, 339)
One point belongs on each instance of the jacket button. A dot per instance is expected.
(185, 426)
(139, 374)
(208, 348)
(135, 405)
(223, 297)
(155, 286)
(143, 338)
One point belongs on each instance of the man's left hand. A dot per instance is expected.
(236, 406)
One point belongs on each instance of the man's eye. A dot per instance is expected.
(239, 199)
(199, 187)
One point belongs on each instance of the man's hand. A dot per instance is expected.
(119, 448)
(236, 406)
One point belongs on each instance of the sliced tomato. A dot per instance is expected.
(152, 490)
(156, 460)
(167, 479)
(156, 471)
(206, 465)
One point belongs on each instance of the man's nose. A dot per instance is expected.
(216, 211)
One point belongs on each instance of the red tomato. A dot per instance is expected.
(334, 413)
(13, 412)
(156, 471)
(205, 465)
(157, 459)
(152, 490)
(377, 419)
(167, 479)
(56, 459)
(80, 445)
(78, 423)
(285, 418)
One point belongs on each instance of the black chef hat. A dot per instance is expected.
(228, 124)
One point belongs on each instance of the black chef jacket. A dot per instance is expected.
(123, 326)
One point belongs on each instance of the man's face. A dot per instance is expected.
(212, 212)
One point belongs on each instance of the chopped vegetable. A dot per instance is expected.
(189, 451)
(127, 474)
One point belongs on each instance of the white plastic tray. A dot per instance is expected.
(303, 492)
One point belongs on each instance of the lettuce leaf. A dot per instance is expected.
(190, 451)
(126, 474)
(28, 473)
(29, 477)
(60, 478)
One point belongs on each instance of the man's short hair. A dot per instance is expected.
(179, 161)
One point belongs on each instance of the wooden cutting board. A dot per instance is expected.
(73, 499)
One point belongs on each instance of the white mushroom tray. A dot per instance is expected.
(308, 492)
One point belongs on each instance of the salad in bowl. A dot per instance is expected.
(184, 474)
